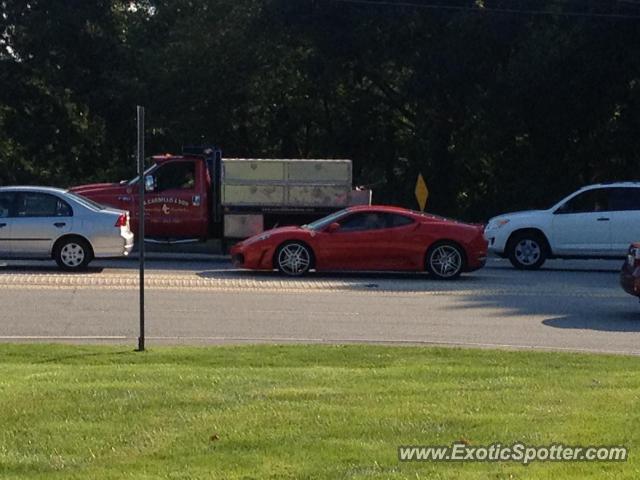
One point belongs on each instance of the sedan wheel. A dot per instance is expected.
(293, 259)
(73, 254)
(445, 261)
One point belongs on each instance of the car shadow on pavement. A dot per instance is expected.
(621, 322)
(564, 265)
(274, 274)
(599, 306)
(544, 270)
(99, 265)
(399, 282)
(337, 275)
(49, 269)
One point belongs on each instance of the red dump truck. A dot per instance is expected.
(199, 195)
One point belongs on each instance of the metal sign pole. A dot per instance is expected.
(140, 112)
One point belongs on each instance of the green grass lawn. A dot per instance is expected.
(328, 412)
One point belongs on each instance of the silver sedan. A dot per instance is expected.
(45, 222)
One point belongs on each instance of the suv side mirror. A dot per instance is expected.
(333, 227)
(149, 183)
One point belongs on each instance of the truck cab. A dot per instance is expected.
(176, 200)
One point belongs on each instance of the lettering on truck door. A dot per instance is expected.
(177, 205)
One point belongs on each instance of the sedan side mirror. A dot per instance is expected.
(149, 183)
(333, 227)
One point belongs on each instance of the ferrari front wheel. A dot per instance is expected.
(293, 259)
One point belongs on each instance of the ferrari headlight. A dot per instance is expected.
(262, 237)
(256, 239)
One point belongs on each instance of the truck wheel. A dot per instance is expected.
(445, 261)
(527, 251)
(72, 253)
(293, 259)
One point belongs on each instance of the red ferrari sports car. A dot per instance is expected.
(368, 238)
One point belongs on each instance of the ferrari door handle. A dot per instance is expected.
(603, 219)
(124, 198)
(59, 224)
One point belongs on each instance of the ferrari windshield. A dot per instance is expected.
(326, 221)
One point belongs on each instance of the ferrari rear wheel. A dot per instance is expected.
(445, 260)
(293, 259)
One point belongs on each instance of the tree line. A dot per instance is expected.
(500, 104)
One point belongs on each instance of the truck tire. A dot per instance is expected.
(527, 250)
(72, 253)
(293, 259)
(445, 260)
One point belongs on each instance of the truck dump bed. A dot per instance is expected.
(286, 183)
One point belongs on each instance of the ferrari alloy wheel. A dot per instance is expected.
(293, 259)
(73, 254)
(445, 261)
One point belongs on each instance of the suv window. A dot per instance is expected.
(624, 198)
(34, 204)
(595, 200)
(176, 176)
(6, 204)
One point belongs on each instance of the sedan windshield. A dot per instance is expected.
(326, 221)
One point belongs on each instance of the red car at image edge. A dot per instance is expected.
(376, 238)
(630, 273)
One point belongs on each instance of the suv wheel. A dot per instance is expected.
(527, 251)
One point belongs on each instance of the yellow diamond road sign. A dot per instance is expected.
(422, 192)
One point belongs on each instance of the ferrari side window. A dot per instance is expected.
(363, 221)
(394, 220)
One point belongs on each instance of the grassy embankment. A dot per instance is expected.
(304, 411)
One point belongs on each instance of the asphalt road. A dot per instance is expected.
(569, 305)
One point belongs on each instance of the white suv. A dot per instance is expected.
(598, 221)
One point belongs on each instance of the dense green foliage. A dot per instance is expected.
(497, 110)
